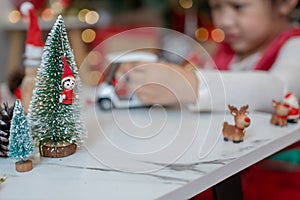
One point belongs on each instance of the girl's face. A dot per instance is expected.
(249, 25)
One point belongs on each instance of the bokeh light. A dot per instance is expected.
(92, 17)
(218, 35)
(81, 14)
(88, 35)
(202, 34)
(47, 14)
(14, 16)
(94, 58)
(57, 7)
(186, 3)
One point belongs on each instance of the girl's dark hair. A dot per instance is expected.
(295, 15)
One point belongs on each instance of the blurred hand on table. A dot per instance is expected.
(161, 83)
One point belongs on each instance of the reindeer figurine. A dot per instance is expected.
(282, 111)
(236, 132)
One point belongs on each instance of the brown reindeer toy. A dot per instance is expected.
(282, 110)
(236, 132)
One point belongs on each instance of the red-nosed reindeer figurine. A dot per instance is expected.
(282, 110)
(236, 132)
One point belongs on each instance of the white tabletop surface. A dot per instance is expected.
(153, 153)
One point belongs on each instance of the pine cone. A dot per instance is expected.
(6, 113)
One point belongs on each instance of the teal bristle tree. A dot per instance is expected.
(57, 128)
(21, 145)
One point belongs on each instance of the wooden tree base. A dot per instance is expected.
(57, 151)
(24, 166)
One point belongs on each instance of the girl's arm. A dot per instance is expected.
(256, 88)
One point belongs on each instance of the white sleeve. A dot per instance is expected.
(255, 88)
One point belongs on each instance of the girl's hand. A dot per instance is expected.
(161, 83)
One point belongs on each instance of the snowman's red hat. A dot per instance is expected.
(67, 71)
(34, 43)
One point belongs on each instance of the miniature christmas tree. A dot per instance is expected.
(56, 126)
(6, 114)
(21, 144)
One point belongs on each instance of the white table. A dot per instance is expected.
(147, 154)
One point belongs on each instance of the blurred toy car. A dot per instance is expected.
(112, 91)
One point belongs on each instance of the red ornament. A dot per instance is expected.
(68, 82)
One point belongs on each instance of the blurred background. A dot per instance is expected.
(89, 22)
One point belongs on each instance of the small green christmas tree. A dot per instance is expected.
(55, 126)
(21, 144)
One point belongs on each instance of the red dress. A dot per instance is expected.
(225, 54)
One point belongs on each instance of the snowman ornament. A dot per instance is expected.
(68, 82)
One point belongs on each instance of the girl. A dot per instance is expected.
(259, 61)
